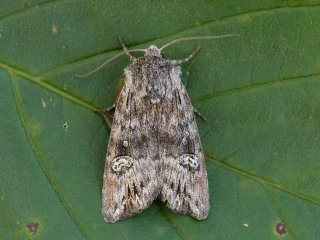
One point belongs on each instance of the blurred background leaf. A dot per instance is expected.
(259, 92)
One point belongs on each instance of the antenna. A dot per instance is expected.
(195, 38)
(108, 61)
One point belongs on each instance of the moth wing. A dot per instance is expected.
(129, 181)
(185, 185)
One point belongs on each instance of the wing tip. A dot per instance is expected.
(110, 217)
(200, 214)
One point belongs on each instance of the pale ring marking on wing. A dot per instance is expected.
(121, 161)
(189, 159)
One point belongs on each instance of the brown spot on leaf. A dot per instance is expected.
(33, 227)
(281, 228)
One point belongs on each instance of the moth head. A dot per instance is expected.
(153, 51)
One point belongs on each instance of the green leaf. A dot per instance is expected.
(259, 92)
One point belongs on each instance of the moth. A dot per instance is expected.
(154, 148)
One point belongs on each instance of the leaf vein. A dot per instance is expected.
(255, 86)
(44, 170)
(183, 31)
(279, 212)
(48, 86)
(265, 181)
(171, 221)
(24, 10)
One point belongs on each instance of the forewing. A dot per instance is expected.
(185, 186)
(132, 165)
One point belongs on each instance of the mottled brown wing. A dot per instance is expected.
(130, 181)
(185, 186)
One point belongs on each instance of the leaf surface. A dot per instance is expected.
(259, 92)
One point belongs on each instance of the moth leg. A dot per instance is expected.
(199, 114)
(106, 114)
(106, 111)
(125, 49)
(111, 108)
(187, 58)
